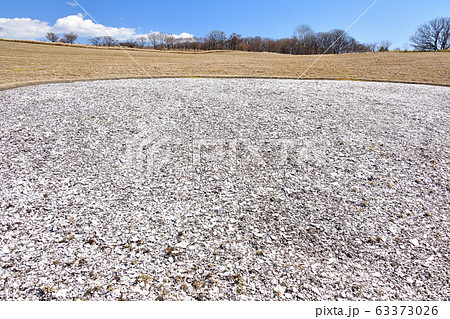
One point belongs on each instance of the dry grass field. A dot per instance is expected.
(26, 62)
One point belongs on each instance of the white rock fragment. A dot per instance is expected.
(414, 242)
(332, 260)
(182, 244)
(394, 230)
(62, 293)
(6, 250)
(376, 274)
(314, 289)
(115, 293)
(279, 289)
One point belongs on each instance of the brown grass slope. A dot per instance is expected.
(31, 62)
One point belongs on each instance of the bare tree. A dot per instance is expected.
(233, 41)
(105, 41)
(341, 41)
(69, 37)
(169, 40)
(303, 31)
(108, 41)
(284, 46)
(96, 41)
(195, 44)
(130, 43)
(142, 41)
(216, 40)
(304, 35)
(372, 46)
(432, 36)
(384, 45)
(52, 36)
(255, 44)
(156, 39)
(323, 42)
(269, 45)
(184, 43)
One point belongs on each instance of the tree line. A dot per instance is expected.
(431, 36)
(69, 37)
(304, 41)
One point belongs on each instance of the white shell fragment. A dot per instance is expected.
(414, 242)
(5, 249)
(224, 189)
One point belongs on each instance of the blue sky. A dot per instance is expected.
(393, 20)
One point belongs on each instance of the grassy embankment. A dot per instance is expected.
(31, 62)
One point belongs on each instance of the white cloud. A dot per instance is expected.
(183, 35)
(25, 28)
(87, 28)
(72, 4)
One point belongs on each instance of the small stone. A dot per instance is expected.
(182, 244)
(409, 280)
(61, 293)
(279, 289)
(393, 230)
(314, 289)
(6, 249)
(414, 242)
(376, 274)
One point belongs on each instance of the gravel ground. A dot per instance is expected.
(208, 189)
